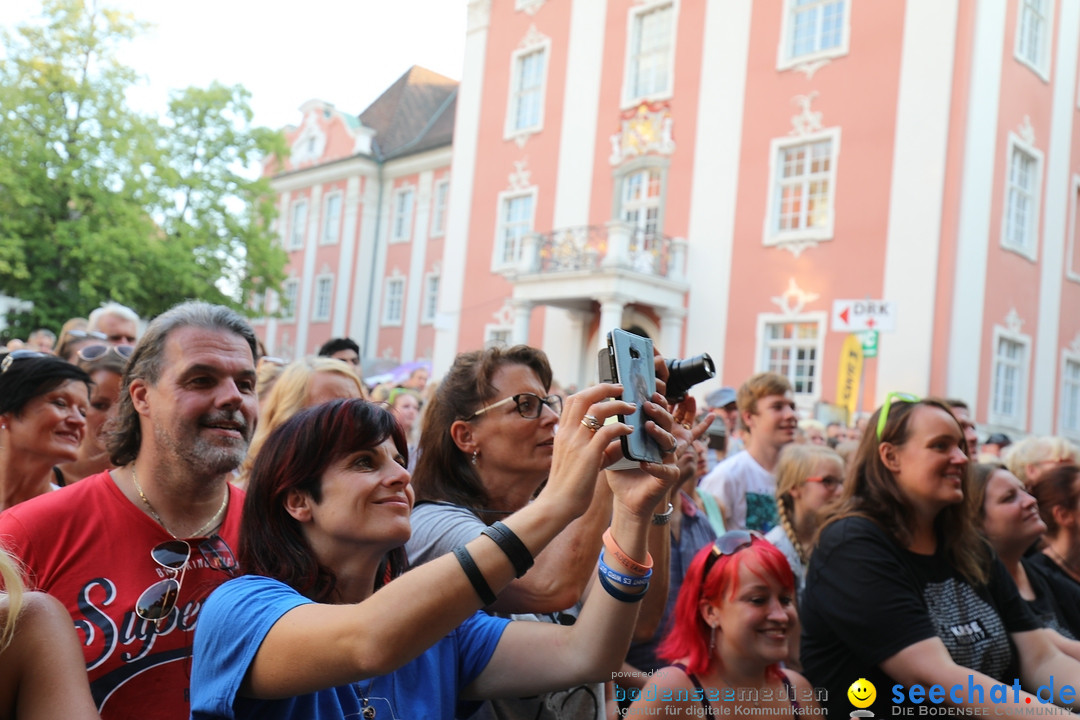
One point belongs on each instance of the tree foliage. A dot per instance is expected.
(99, 202)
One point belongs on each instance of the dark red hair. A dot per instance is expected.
(689, 634)
(295, 457)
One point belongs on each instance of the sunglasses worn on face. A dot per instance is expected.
(158, 600)
(892, 397)
(529, 405)
(829, 481)
(729, 543)
(93, 352)
(14, 355)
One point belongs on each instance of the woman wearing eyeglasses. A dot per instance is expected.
(105, 366)
(306, 634)
(734, 624)
(43, 405)
(903, 591)
(1009, 517)
(486, 448)
(808, 477)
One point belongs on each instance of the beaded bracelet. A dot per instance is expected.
(619, 594)
(511, 544)
(632, 565)
(476, 577)
(617, 577)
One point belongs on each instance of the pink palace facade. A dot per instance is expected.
(715, 174)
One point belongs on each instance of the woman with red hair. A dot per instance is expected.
(734, 624)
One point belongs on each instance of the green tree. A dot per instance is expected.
(100, 202)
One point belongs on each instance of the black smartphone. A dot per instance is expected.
(628, 359)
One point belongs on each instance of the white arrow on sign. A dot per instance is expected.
(855, 315)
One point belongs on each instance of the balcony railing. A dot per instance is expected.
(616, 246)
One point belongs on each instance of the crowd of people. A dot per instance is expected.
(193, 528)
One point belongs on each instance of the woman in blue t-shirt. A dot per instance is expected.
(903, 592)
(315, 631)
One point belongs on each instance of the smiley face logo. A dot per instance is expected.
(862, 693)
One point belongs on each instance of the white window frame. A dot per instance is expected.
(440, 208)
(1072, 262)
(401, 222)
(1031, 249)
(511, 131)
(633, 27)
(784, 57)
(1040, 65)
(1017, 420)
(331, 227)
(323, 302)
(772, 234)
(290, 298)
(296, 239)
(498, 251)
(639, 225)
(1073, 433)
(430, 302)
(492, 331)
(388, 318)
(804, 401)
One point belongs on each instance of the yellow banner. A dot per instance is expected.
(850, 375)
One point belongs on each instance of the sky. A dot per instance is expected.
(345, 52)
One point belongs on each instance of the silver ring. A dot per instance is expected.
(673, 448)
(592, 423)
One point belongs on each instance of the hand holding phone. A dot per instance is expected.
(628, 359)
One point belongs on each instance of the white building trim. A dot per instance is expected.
(307, 274)
(1056, 205)
(920, 153)
(786, 60)
(977, 183)
(644, 7)
(804, 401)
(715, 186)
(417, 260)
(348, 244)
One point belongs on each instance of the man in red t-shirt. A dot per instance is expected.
(101, 546)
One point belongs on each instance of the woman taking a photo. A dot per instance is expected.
(902, 589)
(808, 477)
(734, 623)
(43, 405)
(306, 634)
(1009, 517)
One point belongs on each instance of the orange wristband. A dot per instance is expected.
(632, 565)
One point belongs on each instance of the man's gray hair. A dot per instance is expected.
(147, 363)
(111, 308)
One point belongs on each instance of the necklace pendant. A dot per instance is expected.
(367, 711)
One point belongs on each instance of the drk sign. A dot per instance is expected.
(854, 315)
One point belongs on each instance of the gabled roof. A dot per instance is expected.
(414, 114)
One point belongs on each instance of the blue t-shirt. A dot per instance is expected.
(236, 619)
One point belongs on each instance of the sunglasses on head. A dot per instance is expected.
(891, 398)
(729, 543)
(93, 352)
(14, 355)
(159, 600)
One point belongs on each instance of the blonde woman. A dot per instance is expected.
(808, 477)
(302, 384)
(1034, 456)
(42, 674)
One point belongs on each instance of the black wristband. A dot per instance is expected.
(511, 544)
(619, 594)
(475, 576)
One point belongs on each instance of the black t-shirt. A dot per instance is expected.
(867, 599)
(1058, 593)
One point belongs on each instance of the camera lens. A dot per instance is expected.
(685, 374)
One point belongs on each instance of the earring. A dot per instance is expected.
(712, 640)
(475, 454)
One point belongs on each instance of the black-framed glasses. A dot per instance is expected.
(729, 543)
(14, 355)
(529, 405)
(157, 601)
(892, 397)
(93, 352)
